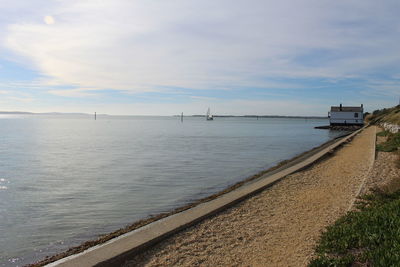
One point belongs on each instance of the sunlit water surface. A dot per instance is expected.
(67, 179)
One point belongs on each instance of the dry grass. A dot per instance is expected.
(390, 115)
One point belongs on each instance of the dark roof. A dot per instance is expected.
(347, 109)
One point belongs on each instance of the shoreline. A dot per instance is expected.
(278, 226)
(285, 164)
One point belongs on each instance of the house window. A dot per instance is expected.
(355, 115)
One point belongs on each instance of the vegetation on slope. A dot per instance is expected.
(369, 236)
(392, 142)
(389, 115)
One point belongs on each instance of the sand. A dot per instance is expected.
(280, 225)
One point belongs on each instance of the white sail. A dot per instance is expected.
(209, 117)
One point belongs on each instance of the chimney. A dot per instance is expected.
(362, 105)
(340, 108)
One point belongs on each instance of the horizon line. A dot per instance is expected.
(173, 115)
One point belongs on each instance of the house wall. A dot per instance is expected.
(342, 117)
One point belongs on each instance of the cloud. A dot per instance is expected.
(203, 98)
(19, 99)
(12, 85)
(80, 92)
(379, 87)
(9, 96)
(142, 46)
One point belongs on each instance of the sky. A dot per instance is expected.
(164, 57)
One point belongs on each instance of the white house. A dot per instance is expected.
(340, 115)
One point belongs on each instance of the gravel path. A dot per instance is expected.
(277, 227)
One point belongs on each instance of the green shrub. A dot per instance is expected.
(392, 143)
(383, 133)
(332, 262)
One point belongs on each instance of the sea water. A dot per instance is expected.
(67, 179)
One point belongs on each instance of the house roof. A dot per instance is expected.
(346, 109)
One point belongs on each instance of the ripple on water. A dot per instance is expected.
(3, 181)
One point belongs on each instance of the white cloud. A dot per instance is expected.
(203, 98)
(10, 97)
(142, 46)
(10, 85)
(378, 87)
(80, 92)
(19, 99)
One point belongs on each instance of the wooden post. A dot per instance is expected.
(182, 117)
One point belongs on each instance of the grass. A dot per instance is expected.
(392, 143)
(390, 115)
(367, 237)
(383, 133)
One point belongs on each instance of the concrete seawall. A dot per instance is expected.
(117, 250)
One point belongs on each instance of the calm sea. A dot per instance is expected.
(67, 179)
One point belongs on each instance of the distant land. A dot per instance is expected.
(215, 116)
(263, 116)
(45, 113)
(15, 112)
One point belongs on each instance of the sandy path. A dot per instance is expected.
(277, 227)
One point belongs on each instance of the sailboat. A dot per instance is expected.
(209, 117)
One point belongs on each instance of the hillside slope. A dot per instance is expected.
(388, 115)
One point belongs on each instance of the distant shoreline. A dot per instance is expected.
(196, 115)
(44, 113)
(262, 116)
